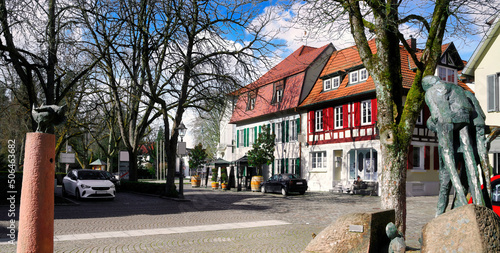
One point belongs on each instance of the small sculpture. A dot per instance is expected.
(47, 116)
(397, 244)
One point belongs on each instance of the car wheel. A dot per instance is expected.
(263, 189)
(77, 194)
(284, 192)
(302, 192)
(64, 193)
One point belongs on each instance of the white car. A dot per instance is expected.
(87, 184)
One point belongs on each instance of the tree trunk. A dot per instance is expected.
(132, 173)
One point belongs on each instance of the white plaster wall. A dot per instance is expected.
(489, 65)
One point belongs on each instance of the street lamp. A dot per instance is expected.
(181, 150)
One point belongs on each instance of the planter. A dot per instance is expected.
(256, 182)
(215, 185)
(195, 181)
(224, 186)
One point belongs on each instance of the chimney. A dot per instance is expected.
(412, 42)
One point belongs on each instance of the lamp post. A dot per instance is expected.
(181, 150)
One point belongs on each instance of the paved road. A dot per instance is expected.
(210, 221)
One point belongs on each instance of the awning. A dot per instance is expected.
(219, 162)
(98, 162)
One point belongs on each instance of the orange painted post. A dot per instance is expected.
(36, 214)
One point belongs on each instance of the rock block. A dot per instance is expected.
(469, 228)
(356, 232)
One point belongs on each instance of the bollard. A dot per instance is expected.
(36, 213)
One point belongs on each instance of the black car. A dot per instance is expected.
(114, 179)
(284, 183)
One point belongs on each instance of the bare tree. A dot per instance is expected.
(386, 21)
(41, 41)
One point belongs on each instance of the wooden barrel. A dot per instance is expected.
(215, 185)
(256, 182)
(195, 181)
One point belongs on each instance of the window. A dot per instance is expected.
(279, 165)
(279, 132)
(251, 136)
(294, 166)
(417, 157)
(363, 163)
(252, 96)
(327, 84)
(336, 82)
(293, 130)
(353, 77)
(318, 118)
(492, 88)
(363, 74)
(366, 112)
(420, 118)
(339, 117)
(447, 74)
(278, 92)
(357, 76)
(318, 160)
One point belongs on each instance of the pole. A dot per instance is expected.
(181, 179)
(36, 213)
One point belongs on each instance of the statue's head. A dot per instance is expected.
(429, 81)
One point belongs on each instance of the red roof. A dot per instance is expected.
(343, 60)
(293, 68)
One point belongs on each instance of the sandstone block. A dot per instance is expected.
(469, 228)
(356, 232)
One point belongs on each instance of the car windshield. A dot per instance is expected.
(106, 174)
(290, 176)
(90, 175)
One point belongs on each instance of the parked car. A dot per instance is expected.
(115, 179)
(284, 183)
(83, 183)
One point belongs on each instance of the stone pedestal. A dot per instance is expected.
(357, 232)
(36, 213)
(469, 228)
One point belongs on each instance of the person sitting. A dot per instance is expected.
(356, 185)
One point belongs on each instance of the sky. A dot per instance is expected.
(293, 36)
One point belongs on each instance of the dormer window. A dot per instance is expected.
(358, 76)
(252, 96)
(278, 92)
(447, 74)
(331, 83)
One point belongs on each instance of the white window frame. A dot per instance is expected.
(278, 165)
(278, 132)
(446, 70)
(493, 92)
(327, 84)
(251, 136)
(361, 76)
(339, 117)
(292, 164)
(366, 112)
(419, 150)
(319, 160)
(335, 82)
(318, 120)
(279, 95)
(242, 138)
(354, 77)
(292, 130)
(251, 103)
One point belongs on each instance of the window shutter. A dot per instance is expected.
(298, 126)
(374, 110)
(286, 131)
(248, 137)
(255, 134)
(273, 131)
(427, 158)
(327, 119)
(492, 91)
(345, 115)
(260, 129)
(244, 137)
(286, 165)
(282, 169)
(269, 128)
(272, 168)
(410, 158)
(436, 158)
(310, 120)
(237, 138)
(357, 114)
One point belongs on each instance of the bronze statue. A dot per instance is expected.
(47, 116)
(451, 117)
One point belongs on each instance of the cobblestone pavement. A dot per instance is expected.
(306, 214)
